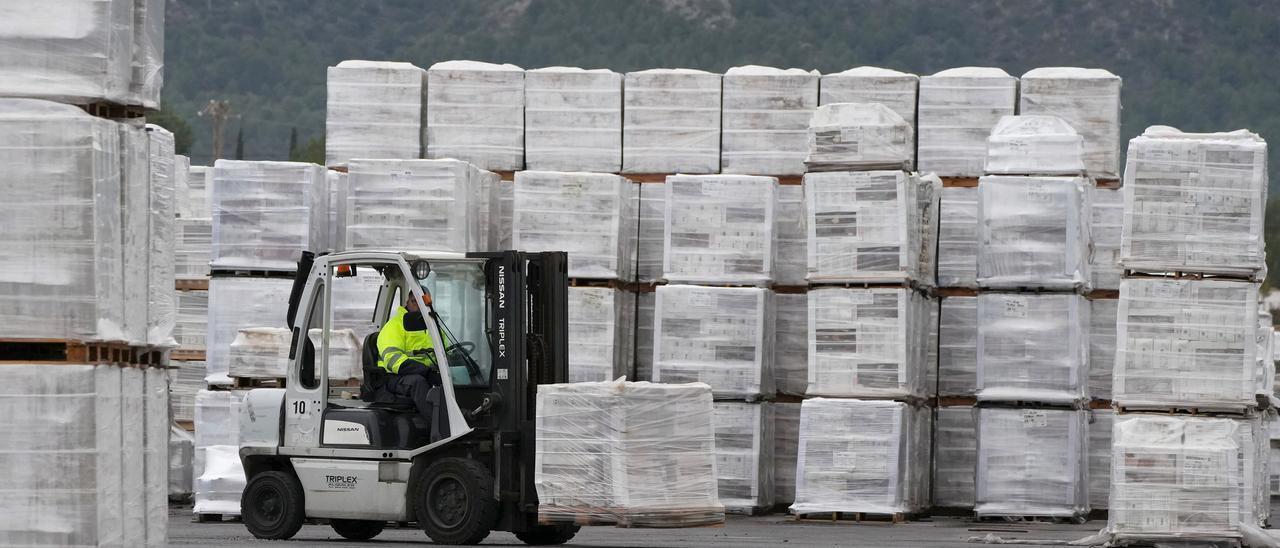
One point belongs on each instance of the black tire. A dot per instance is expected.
(272, 506)
(357, 529)
(547, 535)
(454, 502)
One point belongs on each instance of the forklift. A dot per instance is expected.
(309, 454)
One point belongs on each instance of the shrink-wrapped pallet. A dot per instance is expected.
(146, 75)
(1265, 370)
(879, 466)
(744, 455)
(786, 438)
(958, 346)
(954, 457)
(219, 475)
(76, 51)
(135, 219)
(161, 236)
(1032, 347)
(237, 303)
(893, 89)
(133, 466)
(353, 300)
(645, 302)
(931, 353)
(867, 342)
(263, 352)
(374, 109)
(766, 114)
(858, 136)
(592, 216)
(336, 233)
(722, 336)
(958, 238)
(602, 326)
(671, 121)
(266, 213)
(1089, 100)
(1034, 145)
(475, 113)
(185, 379)
(181, 183)
(1102, 346)
(573, 119)
(928, 209)
(868, 226)
(1032, 462)
(1101, 422)
(1186, 343)
(194, 202)
(791, 344)
(650, 245)
(192, 320)
(1106, 207)
(155, 440)
(182, 450)
(958, 108)
(60, 223)
(503, 203)
(430, 205)
(193, 243)
(1194, 202)
(790, 237)
(719, 229)
(1033, 232)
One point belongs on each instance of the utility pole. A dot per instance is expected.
(218, 113)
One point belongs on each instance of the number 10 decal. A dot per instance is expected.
(299, 407)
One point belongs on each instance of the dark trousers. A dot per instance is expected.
(426, 398)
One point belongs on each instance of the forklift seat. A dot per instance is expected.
(390, 422)
(374, 377)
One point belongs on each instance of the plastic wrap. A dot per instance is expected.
(266, 213)
(722, 336)
(1194, 202)
(671, 121)
(135, 221)
(353, 300)
(602, 327)
(638, 454)
(1186, 343)
(1032, 347)
(862, 456)
(958, 238)
(500, 230)
(161, 236)
(1265, 370)
(958, 346)
(1089, 100)
(489, 207)
(374, 109)
(147, 68)
(744, 455)
(76, 51)
(573, 119)
(955, 456)
(193, 244)
(1034, 145)
(645, 302)
(958, 108)
(865, 227)
(592, 216)
(928, 210)
(1107, 211)
(60, 222)
(182, 449)
(867, 342)
(430, 205)
(931, 348)
(133, 465)
(766, 114)
(219, 475)
(893, 89)
(195, 201)
(650, 247)
(1032, 462)
(336, 231)
(1033, 233)
(263, 352)
(155, 441)
(181, 184)
(790, 237)
(185, 379)
(1102, 346)
(475, 113)
(858, 136)
(719, 229)
(1101, 422)
(791, 344)
(237, 303)
(786, 439)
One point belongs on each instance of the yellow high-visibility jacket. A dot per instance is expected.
(397, 345)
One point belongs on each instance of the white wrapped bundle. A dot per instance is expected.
(592, 216)
(958, 238)
(645, 302)
(155, 441)
(1194, 202)
(475, 113)
(1102, 346)
(195, 201)
(1032, 462)
(893, 89)
(958, 346)
(766, 114)
(867, 342)
(266, 213)
(744, 455)
(928, 210)
(722, 336)
(931, 355)
(862, 456)
(489, 182)
(858, 136)
(336, 232)
(865, 226)
(344, 353)
(503, 202)
(374, 109)
(135, 220)
(60, 223)
(1101, 422)
(237, 303)
(958, 108)
(147, 69)
(1033, 232)
(1107, 211)
(573, 119)
(786, 437)
(191, 323)
(219, 475)
(353, 300)
(75, 51)
(1265, 371)
(719, 229)
(185, 379)
(1186, 343)
(431, 205)
(181, 454)
(1034, 145)
(791, 344)
(193, 243)
(161, 236)
(1032, 347)
(261, 352)
(133, 466)
(954, 457)
(650, 247)
(602, 326)
(790, 237)
(1089, 100)
(671, 122)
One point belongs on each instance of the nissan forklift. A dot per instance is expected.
(311, 454)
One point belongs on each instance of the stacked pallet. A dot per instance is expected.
(374, 109)
(475, 113)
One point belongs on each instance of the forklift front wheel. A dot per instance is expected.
(455, 502)
(272, 506)
(357, 529)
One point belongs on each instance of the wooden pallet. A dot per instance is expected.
(995, 518)
(1104, 294)
(1107, 183)
(855, 284)
(790, 289)
(955, 401)
(189, 426)
(251, 273)
(339, 169)
(245, 383)
(959, 182)
(214, 518)
(191, 284)
(1190, 411)
(107, 109)
(852, 517)
(1021, 404)
(788, 398)
(748, 510)
(662, 177)
(656, 519)
(186, 355)
(613, 284)
(66, 351)
(955, 292)
(1100, 404)
(1182, 275)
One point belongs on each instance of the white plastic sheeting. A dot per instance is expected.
(194, 201)
(1033, 232)
(958, 346)
(786, 438)
(75, 51)
(573, 119)
(1186, 343)
(645, 302)
(958, 238)
(1101, 422)
(193, 244)
(650, 245)
(147, 69)
(266, 213)
(858, 136)
(1103, 314)
(219, 474)
(237, 303)
(719, 229)
(931, 355)
(155, 440)
(1107, 210)
(639, 454)
(135, 219)
(602, 327)
(1032, 347)
(1032, 462)
(766, 114)
(1265, 371)
(263, 352)
(1034, 145)
(335, 231)
(868, 342)
(955, 453)
(744, 454)
(430, 205)
(475, 113)
(182, 449)
(958, 108)
(791, 344)
(671, 122)
(722, 336)
(192, 321)
(374, 109)
(1194, 202)
(185, 379)
(503, 201)
(161, 236)
(893, 89)
(592, 216)
(790, 237)
(1089, 100)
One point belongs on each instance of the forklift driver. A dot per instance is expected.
(407, 357)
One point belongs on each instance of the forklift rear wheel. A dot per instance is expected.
(357, 529)
(547, 535)
(272, 506)
(455, 502)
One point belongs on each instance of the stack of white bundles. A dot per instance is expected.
(931, 353)
(186, 377)
(790, 237)
(475, 113)
(353, 300)
(928, 210)
(636, 454)
(766, 115)
(192, 321)
(1186, 343)
(432, 205)
(602, 326)
(744, 455)
(261, 352)
(503, 202)
(237, 303)
(958, 346)
(893, 89)
(858, 136)
(193, 243)
(1032, 462)
(1089, 100)
(867, 342)
(135, 210)
(645, 302)
(489, 208)
(195, 201)
(786, 438)
(865, 226)
(592, 216)
(881, 466)
(671, 121)
(1033, 233)
(161, 237)
(344, 353)
(722, 336)
(1101, 422)
(78, 51)
(219, 474)
(791, 343)
(1265, 371)
(719, 229)
(181, 186)
(958, 108)
(133, 466)
(954, 457)
(573, 119)
(1032, 347)
(182, 448)
(60, 222)
(335, 233)
(1034, 145)
(1102, 346)
(155, 443)
(147, 68)
(649, 241)
(374, 109)
(1194, 202)
(266, 213)
(958, 238)
(1107, 211)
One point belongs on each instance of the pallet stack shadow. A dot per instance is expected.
(86, 301)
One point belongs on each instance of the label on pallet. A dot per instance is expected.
(1035, 418)
(1015, 307)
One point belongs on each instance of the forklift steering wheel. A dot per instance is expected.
(473, 369)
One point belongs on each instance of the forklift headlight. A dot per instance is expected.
(421, 269)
